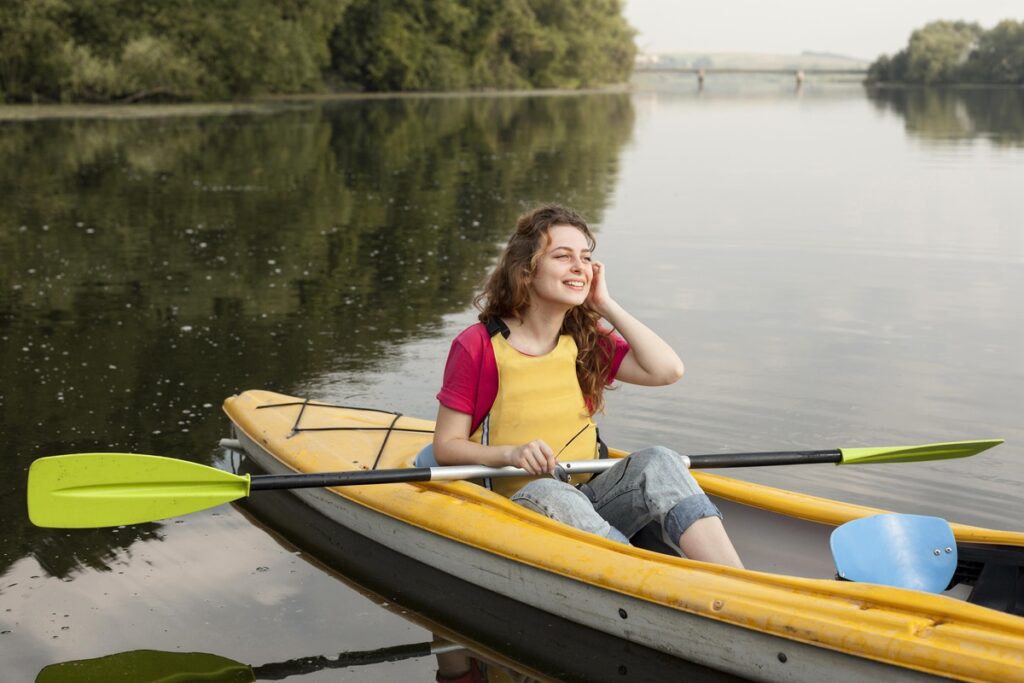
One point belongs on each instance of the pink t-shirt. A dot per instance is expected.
(471, 373)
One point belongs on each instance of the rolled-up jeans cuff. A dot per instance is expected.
(426, 457)
(688, 511)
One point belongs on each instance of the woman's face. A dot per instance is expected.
(564, 271)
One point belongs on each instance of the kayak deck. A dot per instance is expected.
(916, 631)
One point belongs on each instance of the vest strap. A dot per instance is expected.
(602, 447)
(495, 325)
(488, 483)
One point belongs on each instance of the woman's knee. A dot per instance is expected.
(426, 457)
(666, 465)
(657, 456)
(667, 484)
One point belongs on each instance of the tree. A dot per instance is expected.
(999, 57)
(956, 52)
(936, 52)
(102, 50)
(444, 44)
(31, 62)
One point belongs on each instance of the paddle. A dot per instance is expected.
(87, 490)
(153, 666)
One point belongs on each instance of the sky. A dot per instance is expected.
(863, 28)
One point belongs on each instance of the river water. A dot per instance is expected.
(837, 267)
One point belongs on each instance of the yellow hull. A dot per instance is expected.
(915, 633)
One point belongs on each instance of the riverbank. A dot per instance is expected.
(262, 105)
(894, 85)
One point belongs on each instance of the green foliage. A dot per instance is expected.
(394, 45)
(999, 57)
(956, 52)
(127, 50)
(31, 61)
(425, 45)
(147, 67)
(937, 52)
(249, 47)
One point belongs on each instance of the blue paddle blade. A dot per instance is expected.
(906, 551)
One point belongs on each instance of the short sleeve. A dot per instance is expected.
(470, 382)
(461, 379)
(618, 354)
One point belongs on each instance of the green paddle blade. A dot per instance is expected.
(931, 451)
(88, 490)
(149, 666)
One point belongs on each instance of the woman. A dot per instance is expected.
(520, 388)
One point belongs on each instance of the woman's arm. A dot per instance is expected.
(650, 360)
(452, 446)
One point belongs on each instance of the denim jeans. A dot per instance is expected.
(650, 486)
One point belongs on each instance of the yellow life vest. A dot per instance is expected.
(539, 397)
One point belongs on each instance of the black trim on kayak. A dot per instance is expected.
(298, 418)
(387, 434)
(390, 428)
(322, 405)
(384, 443)
(366, 429)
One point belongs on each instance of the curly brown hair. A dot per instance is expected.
(506, 294)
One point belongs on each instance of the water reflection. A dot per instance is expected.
(152, 666)
(153, 267)
(155, 666)
(955, 114)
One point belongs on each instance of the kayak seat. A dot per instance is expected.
(906, 551)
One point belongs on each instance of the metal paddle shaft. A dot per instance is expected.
(266, 482)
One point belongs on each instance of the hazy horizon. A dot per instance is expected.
(864, 30)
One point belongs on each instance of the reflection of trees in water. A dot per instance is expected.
(957, 113)
(64, 553)
(153, 267)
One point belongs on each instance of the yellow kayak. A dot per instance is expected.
(756, 623)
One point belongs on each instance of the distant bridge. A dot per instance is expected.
(798, 74)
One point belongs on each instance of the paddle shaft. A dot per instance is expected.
(265, 482)
(721, 460)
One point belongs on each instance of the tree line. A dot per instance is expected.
(131, 50)
(947, 52)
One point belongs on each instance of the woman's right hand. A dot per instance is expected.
(535, 457)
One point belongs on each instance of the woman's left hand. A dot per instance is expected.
(599, 297)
